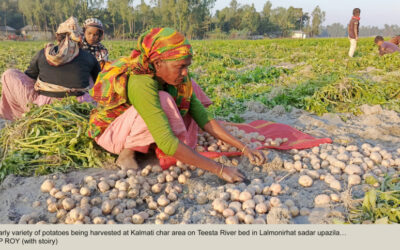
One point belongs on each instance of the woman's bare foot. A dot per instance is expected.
(126, 160)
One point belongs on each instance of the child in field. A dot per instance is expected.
(385, 47)
(353, 30)
(395, 40)
(93, 33)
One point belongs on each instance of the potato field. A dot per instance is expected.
(54, 174)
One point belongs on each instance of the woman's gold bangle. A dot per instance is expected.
(222, 169)
(244, 148)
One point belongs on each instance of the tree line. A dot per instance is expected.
(339, 30)
(129, 18)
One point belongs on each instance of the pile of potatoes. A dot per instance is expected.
(207, 142)
(151, 194)
(123, 197)
(251, 205)
(342, 167)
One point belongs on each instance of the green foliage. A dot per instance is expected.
(312, 74)
(48, 139)
(380, 206)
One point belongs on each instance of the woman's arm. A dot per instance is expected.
(187, 155)
(33, 69)
(217, 130)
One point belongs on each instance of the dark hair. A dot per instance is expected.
(378, 38)
(356, 11)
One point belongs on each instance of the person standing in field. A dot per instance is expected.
(385, 47)
(395, 40)
(354, 30)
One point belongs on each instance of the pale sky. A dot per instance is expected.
(373, 12)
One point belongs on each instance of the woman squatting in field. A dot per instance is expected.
(148, 97)
(55, 72)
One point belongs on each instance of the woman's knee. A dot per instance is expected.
(11, 75)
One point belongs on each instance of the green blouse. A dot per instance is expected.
(142, 91)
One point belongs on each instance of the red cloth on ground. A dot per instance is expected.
(296, 139)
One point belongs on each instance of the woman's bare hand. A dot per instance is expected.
(256, 157)
(231, 174)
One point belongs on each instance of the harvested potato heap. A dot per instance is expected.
(251, 205)
(135, 197)
(124, 197)
(337, 166)
(207, 142)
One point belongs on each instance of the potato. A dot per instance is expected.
(201, 198)
(152, 205)
(156, 188)
(107, 206)
(376, 157)
(85, 191)
(235, 206)
(182, 179)
(259, 199)
(163, 216)
(178, 188)
(305, 181)
(244, 196)
(170, 210)
(353, 180)
(103, 186)
(249, 219)
(235, 195)
(169, 178)
(261, 208)
(59, 195)
(321, 200)
(99, 220)
(68, 204)
(275, 188)
(76, 214)
(121, 185)
(137, 219)
(122, 195)
(228, 212)
(275, 202)
(225, 196)
(88, 178)
(113, 194)
(219, 205)
(172, 196)
(248, 204)
(96, 201)
(50, 200)
(61, 213)
(67, 188)
(163, 201)
(335, 197)
(353, 169)
(53, 191)
(335, 184)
